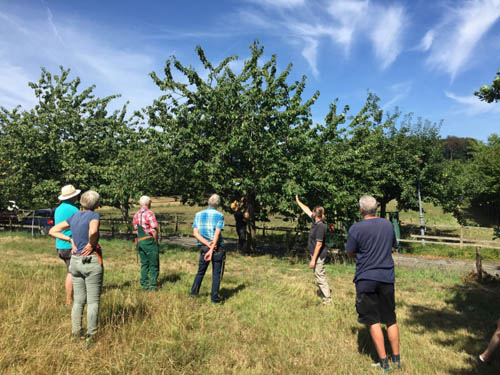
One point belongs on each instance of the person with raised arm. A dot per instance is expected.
(317, 248)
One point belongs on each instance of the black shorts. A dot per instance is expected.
(65, 254)
(377, 306)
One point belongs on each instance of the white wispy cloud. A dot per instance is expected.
(310, 53)
(455, 40)
(342, 22)
(14, 89)
(426, 42)
(387, 33)
(399, 91)
(280, 3)
(99, 58)
(471, 105)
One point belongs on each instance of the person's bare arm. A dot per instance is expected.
(56, 231)
(199, 237)
(154, 233)
(304, 208)
(317, 248)
(213, 245)
(93, 238)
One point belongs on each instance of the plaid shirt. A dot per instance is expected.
(146, 219)
(207, 221)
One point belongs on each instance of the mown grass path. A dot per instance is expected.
(271, 321)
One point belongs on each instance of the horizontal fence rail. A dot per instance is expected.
(124, 229)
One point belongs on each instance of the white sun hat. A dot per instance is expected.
(68, 192)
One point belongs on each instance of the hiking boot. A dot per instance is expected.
(396, 362)
(396, 365)
(89, 341)
(385, 370)
(76, 336)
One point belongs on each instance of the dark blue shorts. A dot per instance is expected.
(376, 304)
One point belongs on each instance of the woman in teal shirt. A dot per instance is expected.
(64, 211)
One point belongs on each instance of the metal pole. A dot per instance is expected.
(421, 214)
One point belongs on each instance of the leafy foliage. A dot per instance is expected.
(230, 133)
(491, 93)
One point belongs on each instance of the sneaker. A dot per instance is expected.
(327, 302)
(396, 364)
(482, 362)
(386, 370)
(89, 341)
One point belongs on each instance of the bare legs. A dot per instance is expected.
(378, 339)
(68, 284)
(494, 344)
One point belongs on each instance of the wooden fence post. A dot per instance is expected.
(159, 231)
(176, 223)
(263, 229)
(112, 228)
(479, 264)
(461, 236)
(10, 223)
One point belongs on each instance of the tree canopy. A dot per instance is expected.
(490, 93)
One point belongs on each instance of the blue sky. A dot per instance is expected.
(426, 57)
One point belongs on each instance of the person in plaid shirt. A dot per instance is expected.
(207, 228)
(145, 225)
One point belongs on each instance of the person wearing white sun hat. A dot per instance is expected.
(66, 209)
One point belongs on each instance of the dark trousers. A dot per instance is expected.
(218, 259)
(242, 237)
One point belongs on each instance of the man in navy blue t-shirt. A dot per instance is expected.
(371, 242)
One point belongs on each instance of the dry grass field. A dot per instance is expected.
(271, 321)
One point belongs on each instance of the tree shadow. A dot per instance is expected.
(109, 287)
(227, 293)
(365, 343)
(171, 278)
(473, 307)
(119, 314)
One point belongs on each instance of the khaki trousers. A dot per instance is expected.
(319, 274)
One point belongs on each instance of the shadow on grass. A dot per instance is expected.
(118, 314)
(473, 307)
(171, 278)
(109, 287)
(227, 293)
(365, 343)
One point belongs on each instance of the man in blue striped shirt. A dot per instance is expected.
(207, 228)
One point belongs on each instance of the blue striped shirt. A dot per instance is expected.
(207, 221)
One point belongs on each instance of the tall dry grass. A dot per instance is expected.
(271, 322)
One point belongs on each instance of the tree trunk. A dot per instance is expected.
(383, 208)
(125, 209)
(251, 230)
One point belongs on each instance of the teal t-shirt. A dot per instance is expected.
(63, 212)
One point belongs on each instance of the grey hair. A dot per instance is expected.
(144, 200)
(368, 205)
(214, 200)
(89, 200)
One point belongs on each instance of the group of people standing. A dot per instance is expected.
(370, 241)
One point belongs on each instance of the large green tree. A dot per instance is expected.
(70, 136)
(231, 133)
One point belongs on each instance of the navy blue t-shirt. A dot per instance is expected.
(79, 224)
(372, 241)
